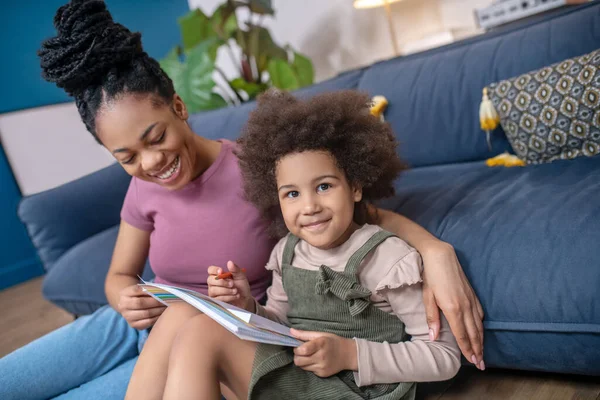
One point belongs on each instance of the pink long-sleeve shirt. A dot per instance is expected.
(392, 272)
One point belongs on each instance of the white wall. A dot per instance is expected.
(338, 37)
(49, 146)
(458, 14)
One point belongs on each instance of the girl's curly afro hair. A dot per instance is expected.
(340, 123)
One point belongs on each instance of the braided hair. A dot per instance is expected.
(95, 60)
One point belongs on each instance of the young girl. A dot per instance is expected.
(350, 290)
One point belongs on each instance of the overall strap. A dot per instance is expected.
(357, 258)
(288, 250)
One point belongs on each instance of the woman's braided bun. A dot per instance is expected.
(88, 44)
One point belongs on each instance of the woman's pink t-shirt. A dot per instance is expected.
(208, 222)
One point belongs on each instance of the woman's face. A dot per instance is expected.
(150, 139)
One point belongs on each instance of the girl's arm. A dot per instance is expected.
(419, 360)
(277, 305)
(445, 285)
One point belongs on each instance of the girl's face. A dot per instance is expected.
(316, 200)
(150, 139)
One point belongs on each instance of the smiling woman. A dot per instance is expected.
(123, 96)
(152, 140)
(177, 212)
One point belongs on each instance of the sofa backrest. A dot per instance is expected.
(59, 218)
(434, 96)
(228, 122)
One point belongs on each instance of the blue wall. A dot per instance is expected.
(24, 24)
(18, 260)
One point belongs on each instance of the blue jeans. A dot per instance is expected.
(91, 358)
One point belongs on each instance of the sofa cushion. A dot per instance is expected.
(527, 239)
(59, 218)
(76, 281)
(552, 113)
(434, 96)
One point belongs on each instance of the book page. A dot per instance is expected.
(240, 322)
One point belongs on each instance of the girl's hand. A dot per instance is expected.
(139, 309)
(235, 290)
(325, 354)
(446, 286)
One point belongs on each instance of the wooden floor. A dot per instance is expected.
(25, 315)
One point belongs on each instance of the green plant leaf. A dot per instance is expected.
(304, 69)
(216, 101)
(197, 82)
(195, 28)
(224, 20)
(257, 42)
(263, 7)
(172, 65)
(252, 89)
(282, 75)
(210, 46)
(266, 42)
(193, 78)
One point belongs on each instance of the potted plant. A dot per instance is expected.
(262, 64)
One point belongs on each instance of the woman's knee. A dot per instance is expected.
(171, 320)
(200, 329)
(178, 314)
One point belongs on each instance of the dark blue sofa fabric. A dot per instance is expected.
(527, 239)
(434, 96)
(76, 281)
(59, 218)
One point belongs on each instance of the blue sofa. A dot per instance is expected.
(526, 237)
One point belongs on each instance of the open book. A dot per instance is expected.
(243, 324)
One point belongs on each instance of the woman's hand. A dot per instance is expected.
(446, 287)
(324, 354)
(137, 307)
(235, 290)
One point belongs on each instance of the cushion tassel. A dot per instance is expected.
(378, 106)
(505, 159)
(488, 117)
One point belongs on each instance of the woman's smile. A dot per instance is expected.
(170, 172)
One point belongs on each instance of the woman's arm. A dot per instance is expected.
(445, 285)
(124, 295)
(128, 260)
(419, 360)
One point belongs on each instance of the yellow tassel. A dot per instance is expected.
(505, 159)
(488, 117)
(378, 106)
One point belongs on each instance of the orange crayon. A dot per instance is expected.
(227, 275)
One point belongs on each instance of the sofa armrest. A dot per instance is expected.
(59, 218)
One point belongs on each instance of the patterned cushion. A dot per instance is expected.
(552, 113)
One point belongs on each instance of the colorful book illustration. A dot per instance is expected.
(243, 324)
